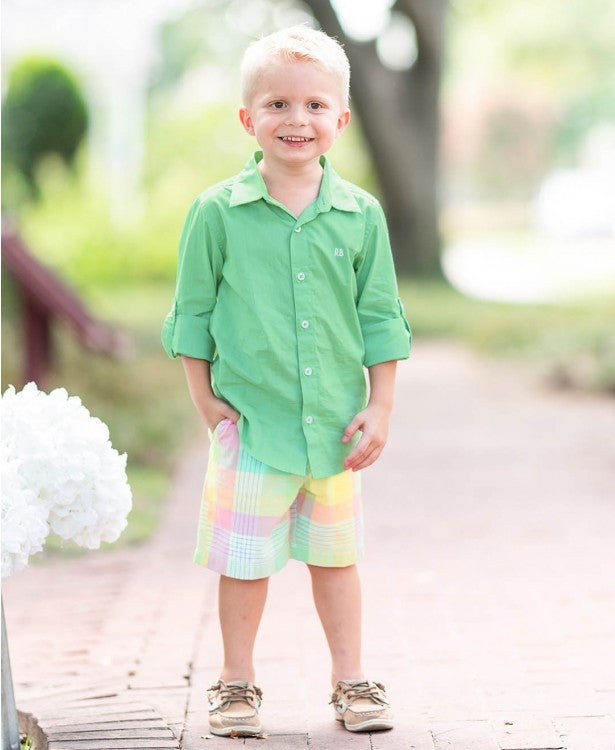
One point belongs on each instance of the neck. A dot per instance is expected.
(279, 177)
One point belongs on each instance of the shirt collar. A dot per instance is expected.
(334, 192)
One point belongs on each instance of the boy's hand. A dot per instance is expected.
(215, 410)
(373, 422)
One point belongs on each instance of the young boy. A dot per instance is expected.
(286, 290)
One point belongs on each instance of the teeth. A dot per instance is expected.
(295, 138)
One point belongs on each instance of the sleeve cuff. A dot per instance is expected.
(390, 339)
(188, 335)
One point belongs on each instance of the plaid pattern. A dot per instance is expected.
(254, 518)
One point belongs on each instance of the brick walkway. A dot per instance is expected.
(488, 589)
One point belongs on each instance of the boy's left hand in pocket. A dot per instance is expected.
(373, 422)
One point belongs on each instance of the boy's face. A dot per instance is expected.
(296, 112)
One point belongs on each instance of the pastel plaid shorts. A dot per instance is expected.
(254, 518)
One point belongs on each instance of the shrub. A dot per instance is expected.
(43, 112)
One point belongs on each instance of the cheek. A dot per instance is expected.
(266, 124)
(335, 129)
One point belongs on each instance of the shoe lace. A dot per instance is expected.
(372, 690)
(245, 693)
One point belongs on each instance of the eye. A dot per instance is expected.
(315, 105)
(277, 105)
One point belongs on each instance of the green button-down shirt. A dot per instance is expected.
(288, 310)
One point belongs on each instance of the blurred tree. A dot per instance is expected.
(398, 110)
(43, 112)
(181, 45)
(563, 53)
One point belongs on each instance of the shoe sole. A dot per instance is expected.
(371, 725)
(240, 731)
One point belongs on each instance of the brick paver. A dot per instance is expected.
(488, 592)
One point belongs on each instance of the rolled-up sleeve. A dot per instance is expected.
(199, 269)
(385, 330)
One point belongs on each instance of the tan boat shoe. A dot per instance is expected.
(233, 708)
(362, 706)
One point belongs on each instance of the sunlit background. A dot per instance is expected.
(526, 189)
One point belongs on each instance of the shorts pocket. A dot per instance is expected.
(213, 432)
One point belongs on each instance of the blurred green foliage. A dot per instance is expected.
(188, 40)
(565, 48)
(538, 77)
(44, 112)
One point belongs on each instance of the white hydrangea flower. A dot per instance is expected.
(62, 475)
(24, 520)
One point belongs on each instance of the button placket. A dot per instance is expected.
(306, 343)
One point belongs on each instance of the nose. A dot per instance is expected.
(296, 115)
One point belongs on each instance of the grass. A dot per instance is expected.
(570, 345)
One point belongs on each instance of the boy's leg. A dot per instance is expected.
(361, 705)
(240, 606)
(337, 596)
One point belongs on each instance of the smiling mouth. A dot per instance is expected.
(295, 139)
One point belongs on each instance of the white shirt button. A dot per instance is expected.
(305, 324)
(308, 371)
(301, 276)
(297, 229)
(309, 420)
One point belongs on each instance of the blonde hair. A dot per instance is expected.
(294, 44)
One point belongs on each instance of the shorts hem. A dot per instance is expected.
(249, 575)
(327, 561)
(320, 561)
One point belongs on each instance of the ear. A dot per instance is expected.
(246, 121)
(342, 122)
